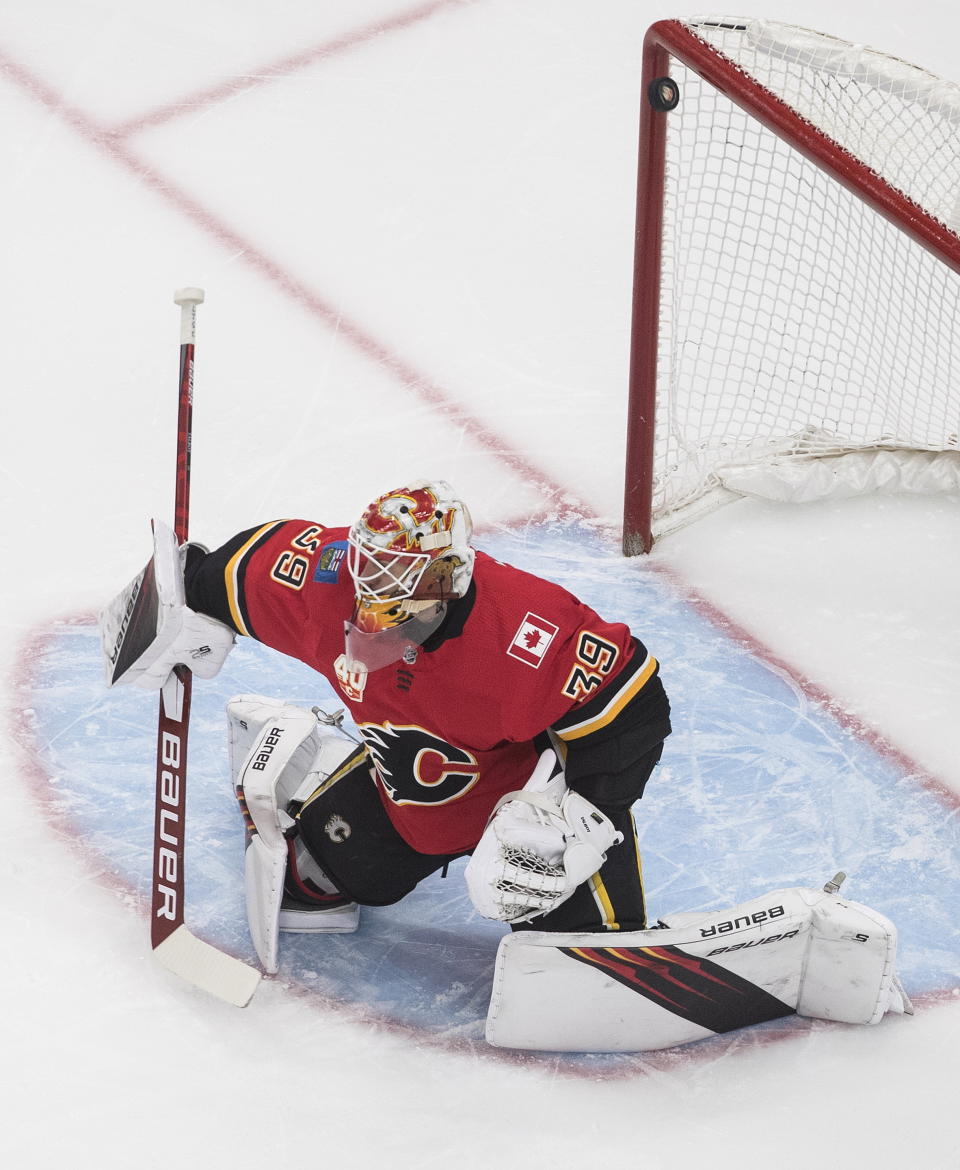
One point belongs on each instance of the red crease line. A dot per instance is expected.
(817, 694)
(565, 505)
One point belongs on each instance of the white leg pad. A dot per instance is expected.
(278, 753)
(264, 868)
(792, 951)
(849, 973)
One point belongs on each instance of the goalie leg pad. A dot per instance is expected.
(849, 974)
(264, 869)
(697, 976)
(279, 754)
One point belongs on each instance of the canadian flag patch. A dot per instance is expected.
(532, 641)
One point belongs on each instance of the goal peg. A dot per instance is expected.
(664, 94)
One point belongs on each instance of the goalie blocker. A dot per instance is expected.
(148, 629)
(794, 951)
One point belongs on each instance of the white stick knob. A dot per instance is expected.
(188, 299)
(188, 296)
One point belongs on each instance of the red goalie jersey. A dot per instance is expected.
(458, 723)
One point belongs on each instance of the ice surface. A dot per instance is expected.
(416, 244)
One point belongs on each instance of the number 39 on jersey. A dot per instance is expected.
(596, 657)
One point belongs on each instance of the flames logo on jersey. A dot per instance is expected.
(416, 767)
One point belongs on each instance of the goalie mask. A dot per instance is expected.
(408, 554)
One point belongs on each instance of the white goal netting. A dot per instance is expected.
(798, 324)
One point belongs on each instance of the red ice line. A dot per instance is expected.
(231, 86)
(110, 142)
(813, 691)
(721, 1047)
(560, 502)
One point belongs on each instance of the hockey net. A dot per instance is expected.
(797, 285)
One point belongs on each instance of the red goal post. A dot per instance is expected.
(797, 273)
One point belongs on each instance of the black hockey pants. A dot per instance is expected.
(348, 832)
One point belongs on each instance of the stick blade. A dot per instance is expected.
(206, 967)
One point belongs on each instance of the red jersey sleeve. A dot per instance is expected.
(270, 582)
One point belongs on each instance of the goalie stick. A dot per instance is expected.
(173, 944)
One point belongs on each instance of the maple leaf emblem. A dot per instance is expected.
(532, 640)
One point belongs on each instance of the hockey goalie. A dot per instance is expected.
(499, 717)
